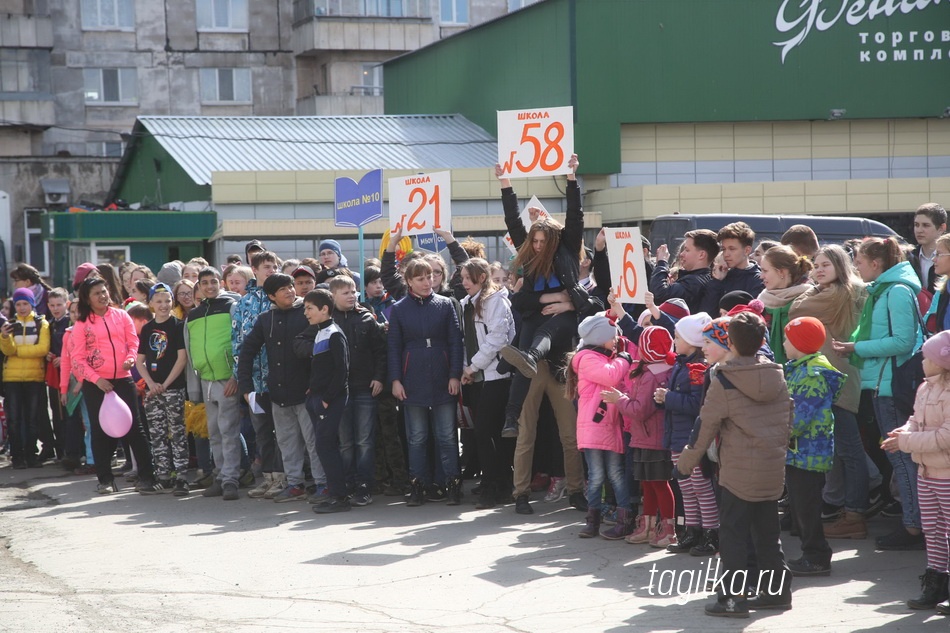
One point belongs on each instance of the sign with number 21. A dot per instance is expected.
(420, 203)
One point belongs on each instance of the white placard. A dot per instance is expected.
(535, 142)
(420, 203)
(526, 221)
(627, 269)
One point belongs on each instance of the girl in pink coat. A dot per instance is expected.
(596, 366)
(643, 420)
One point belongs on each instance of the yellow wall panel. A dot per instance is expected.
(743, 205)
(799, 153)
(276, 193)
(234, 193)
(825, 187)
(701, 205)
(275, 178)
(726, 153)
(819, 205)
(785, 205)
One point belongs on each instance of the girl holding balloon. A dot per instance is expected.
(103, 347)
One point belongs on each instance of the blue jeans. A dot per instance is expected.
(441, 418)
(603, 465)
(905, 470)
(849, 450)
(358, 438)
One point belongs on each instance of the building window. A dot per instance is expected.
(107, 149)
(454, 12)
(37, 249)
(225, 85)
(372, 78)
(222, 15)
(108, 14)
(111, 85)
(24, 70)
(514, 5)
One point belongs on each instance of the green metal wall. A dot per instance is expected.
(142, 182)
(682, 61)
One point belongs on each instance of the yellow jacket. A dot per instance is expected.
(26, 350)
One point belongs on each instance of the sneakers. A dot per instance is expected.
(317, 493)
(362, 496)
(766, 601)
(802, 567)
(893, 510)
(728, 608)
(291, 493)
(165, 485)
(849, 525)
(435, 493)
(214, 490)
(510, 429)
(247, 479)
(107, 489)
(556, 489)
(261, 489)
(876, 501)
(830, 513)
(150, 487)
(453, 492)
(230, 492)
(524, 362)
(278, 483)
(540, 482)
(522, 505)
(900, 540)
(578, 501)
(331, 506)
(395, 490)
(181, 488)
(417, 495)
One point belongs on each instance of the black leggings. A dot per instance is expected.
(103, 446)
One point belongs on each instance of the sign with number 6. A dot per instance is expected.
(627, 269)
(420, 203)
(536, 142)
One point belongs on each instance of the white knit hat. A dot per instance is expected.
(690, 328)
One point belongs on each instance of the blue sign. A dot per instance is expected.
(430, 242)
(359, 203)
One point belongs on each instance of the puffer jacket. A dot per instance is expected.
(597, 370)
(642, 416)
(748, 406)
(208, 338)
(494, 329)
(26, 349)
(425, 348)
(928, 437)
(683, 400)
(895, 330)
(245, 313)
(813, 383)
(366, 341)
(288, 376)
(99, 346)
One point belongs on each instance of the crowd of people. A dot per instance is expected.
(762, 386)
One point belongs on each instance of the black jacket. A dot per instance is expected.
(288, 375)
(567, 262)
(927, 284)
(746, 279)
(324, 347)
(366, 342)
(690, 286)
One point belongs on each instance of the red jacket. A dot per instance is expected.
(642, 416)
(99, 346)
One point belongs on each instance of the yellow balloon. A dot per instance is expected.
(402, 249)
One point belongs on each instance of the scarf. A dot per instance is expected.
(863, 331)
(777, 303)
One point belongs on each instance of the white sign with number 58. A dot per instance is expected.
(536, 142)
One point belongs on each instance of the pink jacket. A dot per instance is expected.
(642, 417)
(929, 439)
(99, 346)
(596, 372)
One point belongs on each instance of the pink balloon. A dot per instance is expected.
(115, 418)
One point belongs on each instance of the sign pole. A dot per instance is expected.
(359, 232)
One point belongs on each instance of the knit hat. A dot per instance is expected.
(277, 281)
(676, 309)
(303, 270)
(24, 294)
(936, 349)
(159, 287)
(690, 328)
(596, 330)
(656, 345)
(82, 272)
(734, 298)
(170, 274)
(755, 307)
(717, 331)
(807, 334)
(334, 246)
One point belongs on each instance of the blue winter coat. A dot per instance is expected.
(683, 400)
(897, 306)
(425, 348)
(248, 308)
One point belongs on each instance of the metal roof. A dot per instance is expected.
(205, 144)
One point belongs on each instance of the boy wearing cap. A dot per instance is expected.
(814, 385)
(161, 362)
(24, 340)
(305, 280)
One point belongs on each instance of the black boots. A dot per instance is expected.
(933, 587)
(417, 493)
(525, 362)
(453, 491)
(691, 538)
(510, 429)
(709, 545)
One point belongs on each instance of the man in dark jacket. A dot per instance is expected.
(696, 255)
(930, 222)
(287, 382)
(367, 351)
(739, 273)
